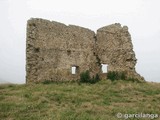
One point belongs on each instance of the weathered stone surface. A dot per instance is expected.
(54, 48)
(114, 47)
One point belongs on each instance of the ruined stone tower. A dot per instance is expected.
(57, 52)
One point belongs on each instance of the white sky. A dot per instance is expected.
(141, 16)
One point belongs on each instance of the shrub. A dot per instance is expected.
(115, 75)
(111, 75)
(97, 77)
(94, 79)
(85, 78)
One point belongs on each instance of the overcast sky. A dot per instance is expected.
(141, 16)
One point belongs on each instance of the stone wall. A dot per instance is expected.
(114, 47)
(53, 48)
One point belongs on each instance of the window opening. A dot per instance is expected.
(104, 68)
(73, 70)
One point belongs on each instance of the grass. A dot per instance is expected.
(73, 101)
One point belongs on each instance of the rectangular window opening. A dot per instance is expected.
(74, 70)
(104, 68)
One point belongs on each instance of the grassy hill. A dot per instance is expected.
(73, 101)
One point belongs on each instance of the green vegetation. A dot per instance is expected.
(73, 101)
(85, 78)
(115, 75)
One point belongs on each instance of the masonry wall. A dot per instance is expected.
(114, 47)
(54, 48)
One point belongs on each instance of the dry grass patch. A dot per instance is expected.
(70, 101)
